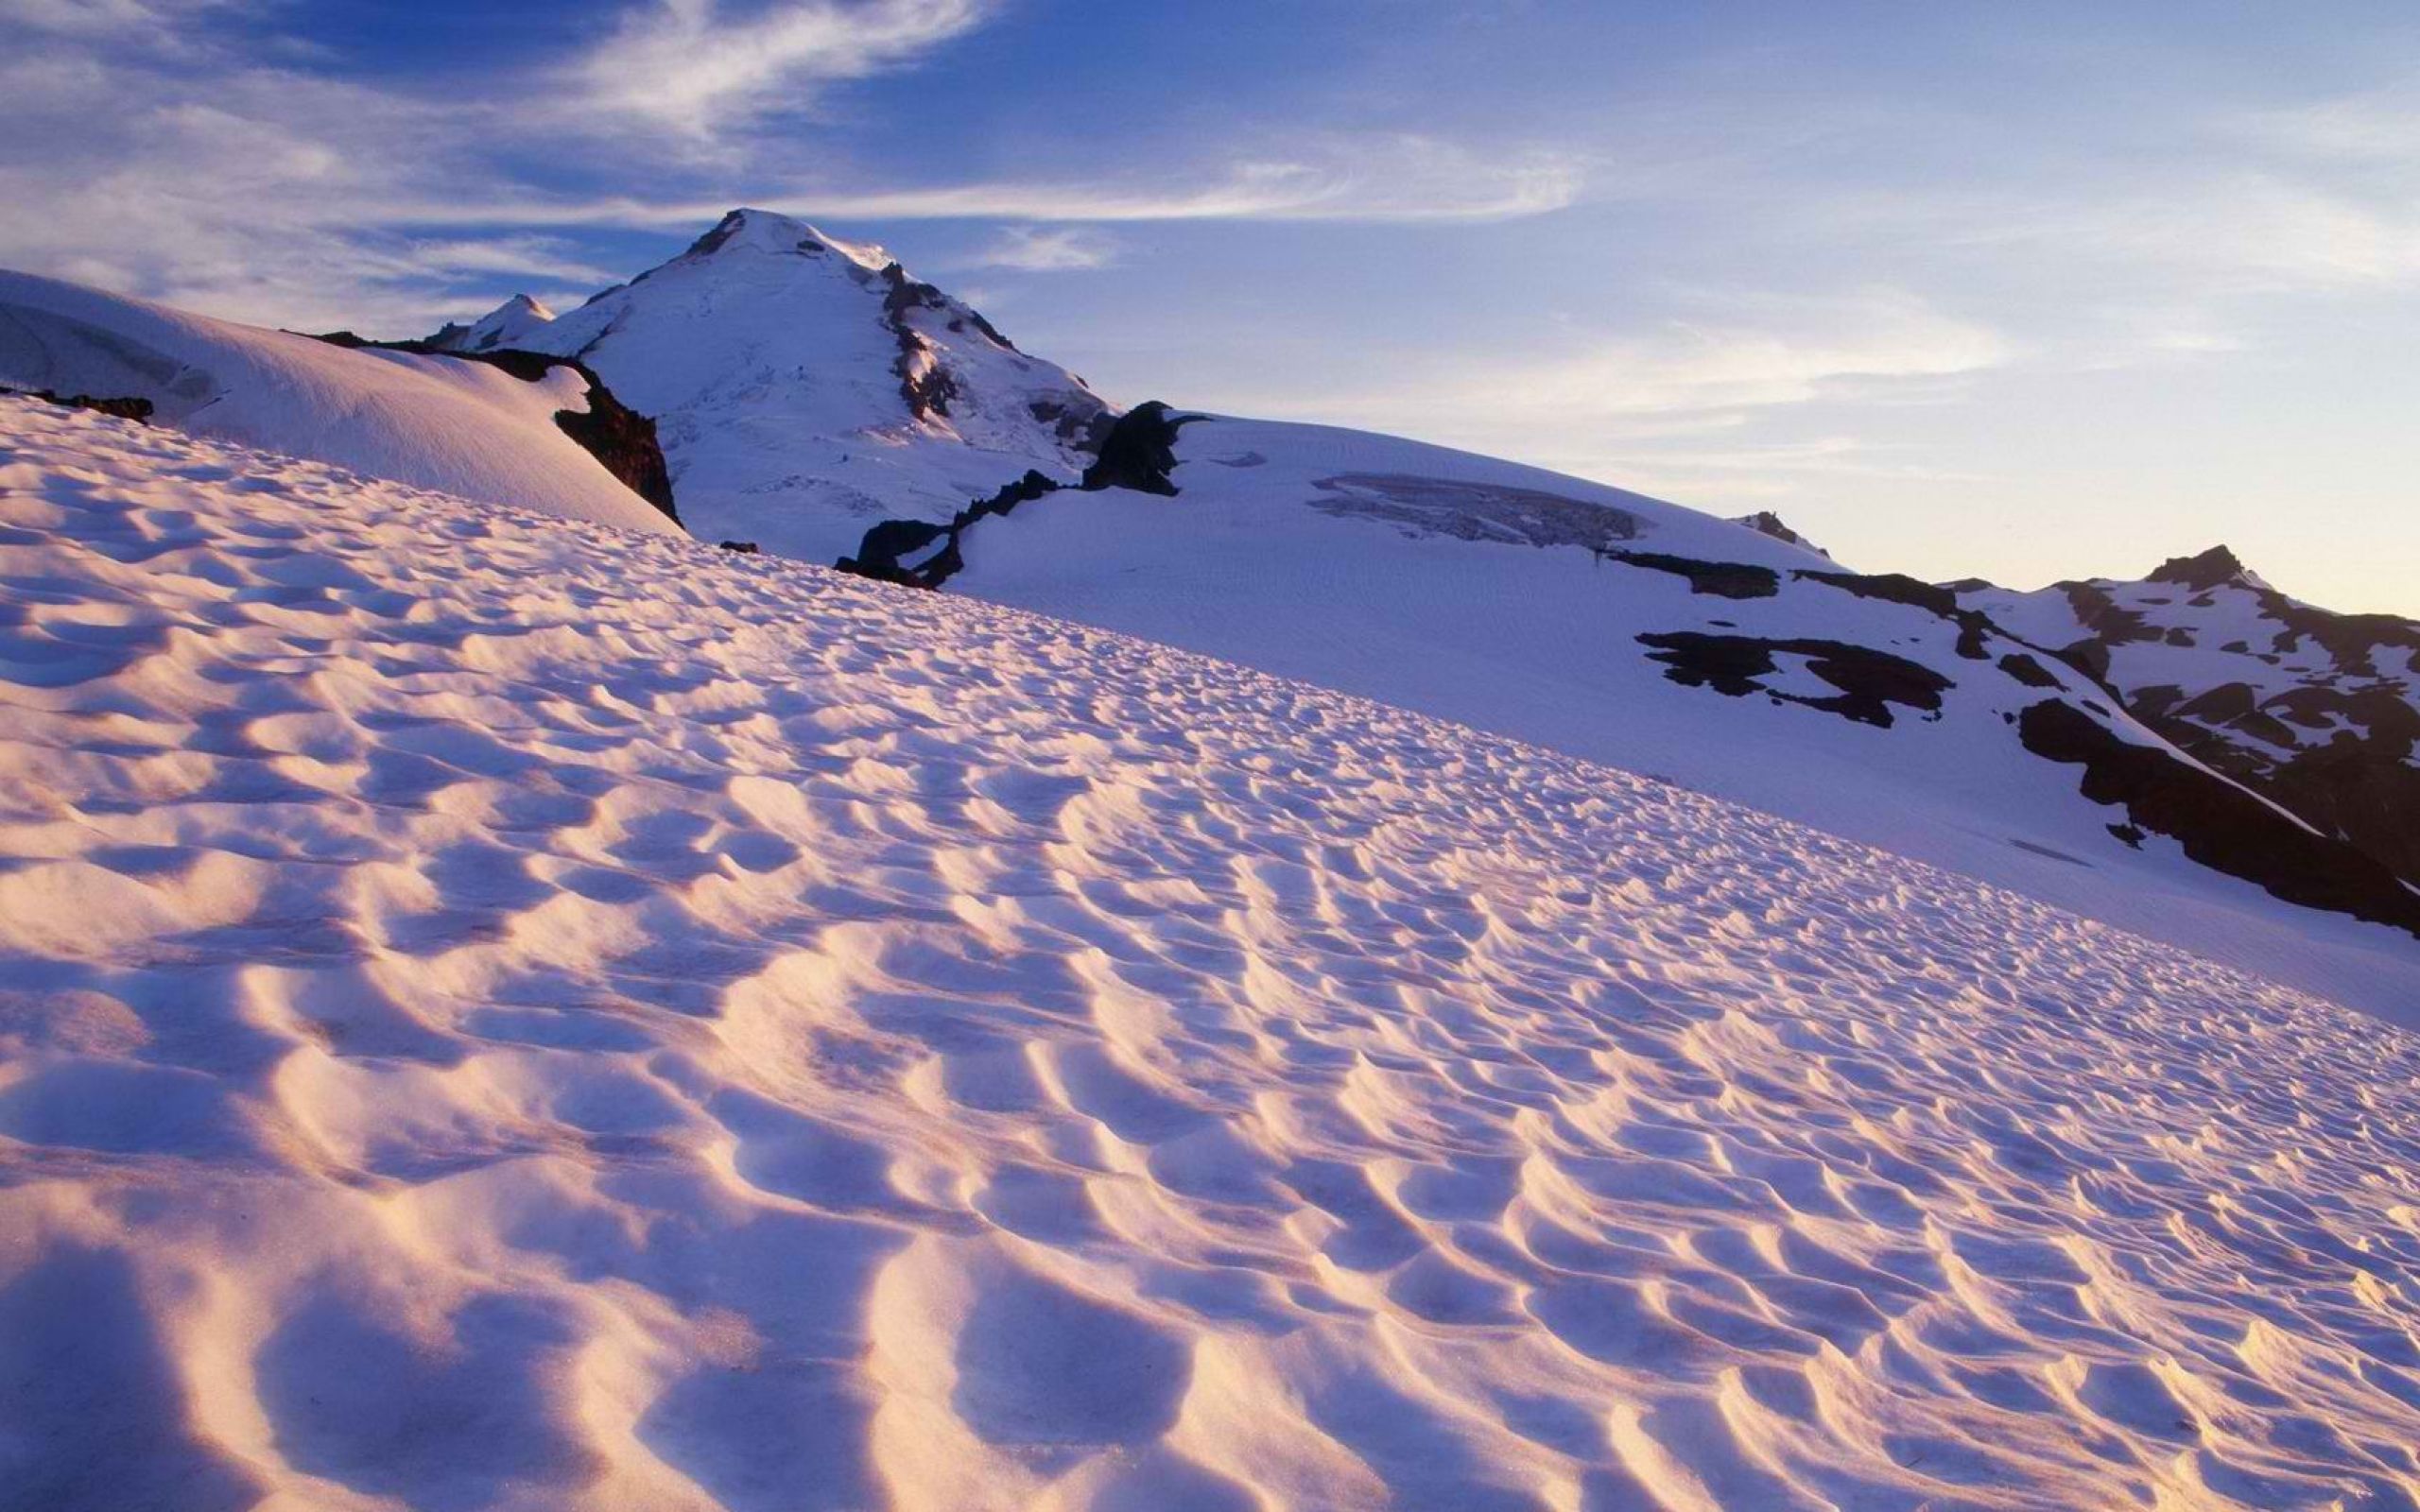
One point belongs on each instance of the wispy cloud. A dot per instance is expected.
(1390, 179)
(1046, 250)
(1711, 408)
(1382, 180)
(2212, 234)
(2374, 126)
(232, 173)
(1821, 348)
(151, 23)
(691, 66)
(1757, 352)
(528, 256)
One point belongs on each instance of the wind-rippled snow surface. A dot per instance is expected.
(501, 1013)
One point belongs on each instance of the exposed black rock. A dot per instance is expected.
(1723, 579)
(719, 232)
(923, 383)
(1082, 426)
(1869, 682)
(1891, 588)
(884, 554)
(1766, 522)
(2101, 616)
(2088, 656)
(1136, 451)
(1898, 587)
(746, 548)
(125, 406)
(2220, 825)
(2211, 569)
(2028, 671)
(1139, 450)
(618, 436)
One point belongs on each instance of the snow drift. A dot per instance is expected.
(470, 429)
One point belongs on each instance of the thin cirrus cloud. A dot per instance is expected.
(1046, 250)
(687, 65)
(1389, 179)
(1761, 354)
(232, 174)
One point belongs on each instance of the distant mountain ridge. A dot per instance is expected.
(2316, 711)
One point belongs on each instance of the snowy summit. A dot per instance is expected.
(805, 387)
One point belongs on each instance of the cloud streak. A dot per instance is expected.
(688, 66)
(1389, 179)
(1046, 250)
(1760, 352)
(225, 173)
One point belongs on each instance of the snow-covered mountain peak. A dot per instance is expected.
(508, 325)
(768, 233)
(804, 385)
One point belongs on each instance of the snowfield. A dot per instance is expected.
(462, 427)
(507, 1013)
(1536, 605)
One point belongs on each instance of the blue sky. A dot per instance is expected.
(2018, 291)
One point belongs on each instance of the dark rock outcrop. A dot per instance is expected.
(1722, 579)
(1870, 682)
(925, 384)
(1139, 450)
(1766, 522)
(2209, 570)
(1138, 453)
(2028, 671)
(1898, 587)
(885, 553)
(2220, 824)
(2333, 743)
(125, 406)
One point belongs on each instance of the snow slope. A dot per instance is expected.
(1515, 600)
(466, 428)
(507, 1014)
(805, 386)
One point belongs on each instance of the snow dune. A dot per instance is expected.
(502, 1013)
